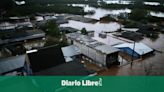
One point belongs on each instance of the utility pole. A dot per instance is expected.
(132, 54)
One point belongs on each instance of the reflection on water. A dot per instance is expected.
(117, 2)
(158, 44)
(157, 14)
(126, 2)
(152, 3)
(99, 12)
(98, 27)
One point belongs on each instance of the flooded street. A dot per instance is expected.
(152, 65)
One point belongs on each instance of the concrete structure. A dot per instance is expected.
(101, 54)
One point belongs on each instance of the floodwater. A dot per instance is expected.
(99, 12)
(126, 2)
(98, 27)
(152, 65)
(152, 3)
(117, 2)
(157, 14)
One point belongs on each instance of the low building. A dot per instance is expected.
(73, 68)
(136, 50)
(99, 53)
(45, 17)
(15, 65)
(68, 29)
(6, 26)
(50, 61)
(17, 19)
(19, 36)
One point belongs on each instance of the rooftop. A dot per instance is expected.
(9, 37)
(11, 63)
(70, 68)
(88, 41)
(45, 58)
(140, 48)
(106, 49)
(70, 51)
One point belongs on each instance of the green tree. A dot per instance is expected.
(52, 29)
(84, 31)
(138, 14)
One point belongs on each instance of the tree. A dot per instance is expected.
(52, 29)
(138, 14)
(84, 31)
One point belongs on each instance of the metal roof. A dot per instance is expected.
(73, 68)
(45, 58)
(69, 51)
(80, 38)
(11, 63)
(88, 41)
(106, 49)
(20, 36)
(140, 48)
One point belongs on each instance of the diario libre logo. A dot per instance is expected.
(81, 82)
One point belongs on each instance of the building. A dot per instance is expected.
(99, 53)
(137, 50)
(68, 29)
(6, 26)
(19, 19)
(45, 17)
(50, 61)
(45, 58)
(20, 36)
(15, 65)
(73, 68)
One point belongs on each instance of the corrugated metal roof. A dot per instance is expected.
(70, 51)
(106, 49)
(11, 63)
(140, 48)
(88, 41)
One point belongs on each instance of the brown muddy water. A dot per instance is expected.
(153, 65)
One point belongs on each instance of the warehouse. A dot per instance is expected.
(99, 53)
(50, 61)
